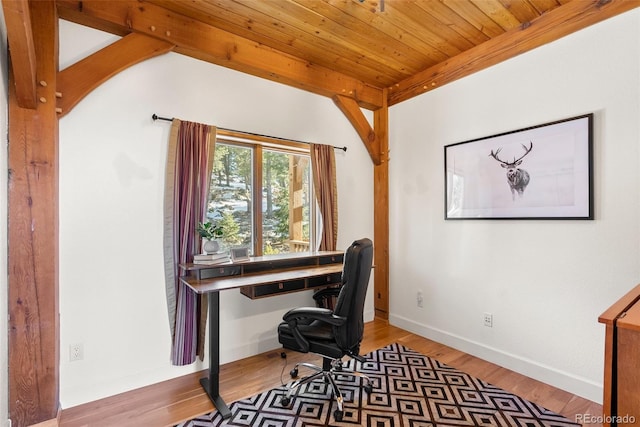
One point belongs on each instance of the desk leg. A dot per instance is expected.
(212, 384)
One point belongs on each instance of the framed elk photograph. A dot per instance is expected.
(540, 172)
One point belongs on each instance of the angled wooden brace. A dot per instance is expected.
(78, 80)
(351, 109)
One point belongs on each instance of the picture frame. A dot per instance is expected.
(239, 254)
(538, 172)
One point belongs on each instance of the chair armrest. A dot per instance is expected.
(326, 292)
(314, 313)
(309, 313)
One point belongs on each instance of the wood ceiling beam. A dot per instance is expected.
(202, 41)
(559, 22)
(351, 109)
(22, 50)
(78, 80)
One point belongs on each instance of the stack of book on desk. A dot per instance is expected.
(211, 259)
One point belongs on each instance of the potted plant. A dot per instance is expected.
(209, 233)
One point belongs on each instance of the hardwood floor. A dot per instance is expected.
(176, 400)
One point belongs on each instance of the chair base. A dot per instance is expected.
(331, 368)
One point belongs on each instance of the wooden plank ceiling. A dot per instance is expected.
(349, 47)
(378, 42)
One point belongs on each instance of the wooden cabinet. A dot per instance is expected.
(621, 400)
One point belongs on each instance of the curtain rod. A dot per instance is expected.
(166, 119)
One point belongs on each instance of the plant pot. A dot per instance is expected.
(210, 246)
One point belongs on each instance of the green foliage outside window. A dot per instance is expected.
(231, 197)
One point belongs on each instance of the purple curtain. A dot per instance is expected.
(188, 173)
(323, 168)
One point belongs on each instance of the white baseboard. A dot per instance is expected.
(546, 374)
(369, 315)
(264, 343)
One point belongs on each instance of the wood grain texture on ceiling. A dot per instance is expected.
(378, 42)
(364, 49)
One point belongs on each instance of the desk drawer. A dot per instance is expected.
(329, 279)
(272, 288)
(331, 259)
(220, 271)
(282, 264)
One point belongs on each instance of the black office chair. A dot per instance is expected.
(332, 334)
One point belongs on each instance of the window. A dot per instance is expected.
(273, 175)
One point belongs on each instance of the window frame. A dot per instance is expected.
(258, 143)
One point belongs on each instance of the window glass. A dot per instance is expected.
(285, 202)
(245, 175)
(231, 194)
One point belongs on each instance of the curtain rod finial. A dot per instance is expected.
(157, 117)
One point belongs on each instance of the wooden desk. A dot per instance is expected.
(260, 277)
(621, 405)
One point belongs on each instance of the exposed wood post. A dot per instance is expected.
(381, 212)
(34, 383)
(376, 141)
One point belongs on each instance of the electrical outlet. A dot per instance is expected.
(488, 320)
(76, 352)
(419, 299)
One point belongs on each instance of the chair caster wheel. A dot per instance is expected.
(285, 401)
(294, 372)
(338, 415)
(368, 388)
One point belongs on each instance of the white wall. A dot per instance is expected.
(546, 282)
(112, 159)
(4, 349)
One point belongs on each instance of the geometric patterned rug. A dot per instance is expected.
(409, 390)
